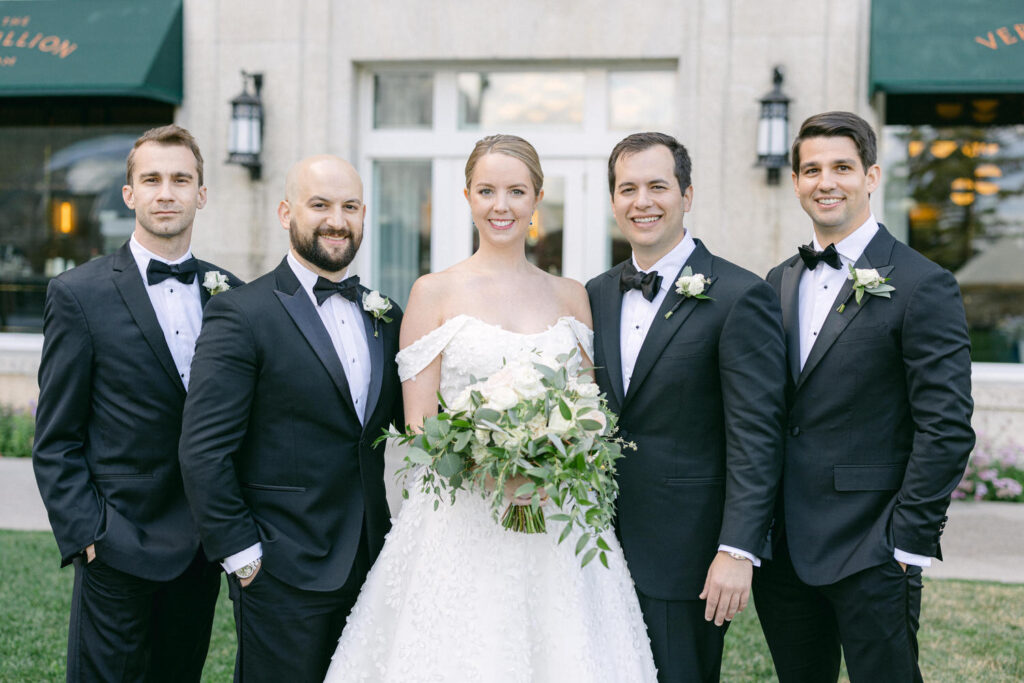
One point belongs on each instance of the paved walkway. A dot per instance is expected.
(982, 540)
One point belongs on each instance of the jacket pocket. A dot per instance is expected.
(868, 477)
(110, 476)
(686, 349)
(271, 487)
(694, 481)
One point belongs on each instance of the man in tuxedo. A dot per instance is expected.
(294, 379)
(119, 333)
(879, 432)
(697, 378)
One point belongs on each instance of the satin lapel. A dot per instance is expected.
(789, 297)
(301, 310)
(879, 250)
(376, 346)
(204, 293)
(129, 284)
(662, 330)
(610, 313)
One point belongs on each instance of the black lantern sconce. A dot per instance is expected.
(246, 138)
(772, 130)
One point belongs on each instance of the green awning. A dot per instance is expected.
(947, 46)
(91, 47)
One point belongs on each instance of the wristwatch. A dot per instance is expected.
(247, 570)
(737, 556)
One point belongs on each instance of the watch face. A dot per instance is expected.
(245, 572)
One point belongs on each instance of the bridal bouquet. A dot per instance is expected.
(539, 423)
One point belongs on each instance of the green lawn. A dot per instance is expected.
(972, 631)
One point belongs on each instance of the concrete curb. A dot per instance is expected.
(982, 541)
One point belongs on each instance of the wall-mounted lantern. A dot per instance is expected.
(245, 142)
(772, 130)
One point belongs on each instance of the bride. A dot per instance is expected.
(453, 596)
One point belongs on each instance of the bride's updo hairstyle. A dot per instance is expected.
(509, 145)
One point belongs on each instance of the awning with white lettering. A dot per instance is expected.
(96, 47)
(947, 46)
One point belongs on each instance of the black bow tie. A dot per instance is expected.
(324, 289)
(647, 283)
(829, 256)
(184, 272)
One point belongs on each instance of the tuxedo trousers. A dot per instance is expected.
(870, 617)
(125, 628)
(287, 633)
(687, 648)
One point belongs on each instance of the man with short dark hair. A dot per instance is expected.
(294, 381)
(690, 352)
(119, 334)
(879, 431)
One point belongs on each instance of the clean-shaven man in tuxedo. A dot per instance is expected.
(293, 380)
(698, 380)
(118, 337)
(879, 431)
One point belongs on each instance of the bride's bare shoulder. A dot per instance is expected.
(572, 297)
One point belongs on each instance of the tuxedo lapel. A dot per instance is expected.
(662, 330)
(204, 293)
(844, 310)
(133, 291)
(375, 342)
(302, 312)
(609, 319)
(790, 299)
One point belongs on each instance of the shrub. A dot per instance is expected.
(17, 431)
(993, 474)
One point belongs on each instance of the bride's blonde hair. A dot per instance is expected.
(509, 145)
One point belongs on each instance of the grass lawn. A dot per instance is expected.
(972, 631)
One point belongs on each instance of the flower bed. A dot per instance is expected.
(17, 431)
(993, 473)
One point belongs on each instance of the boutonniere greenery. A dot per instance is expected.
(867, 281)
(216, 282)
(690, 285)
(377, 306)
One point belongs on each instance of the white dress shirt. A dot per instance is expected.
(178, 308)
(818, 291)
(637, 316)
(638, 313)
(344, 322)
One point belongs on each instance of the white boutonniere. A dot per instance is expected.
(216, 282)
(377, 306)
(867, 281)
(690, 285)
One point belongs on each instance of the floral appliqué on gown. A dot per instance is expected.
(455, 597)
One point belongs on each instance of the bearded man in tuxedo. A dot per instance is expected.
(879, 424)
(118, 337)
(689, 350)
(293, 381)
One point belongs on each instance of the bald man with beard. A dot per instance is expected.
(294, 378)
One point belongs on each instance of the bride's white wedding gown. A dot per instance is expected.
(455, 597)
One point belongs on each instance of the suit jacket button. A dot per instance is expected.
(794, 430)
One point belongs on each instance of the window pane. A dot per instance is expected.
(402, 209)
(641, 100)
(957, 193)
(499, 99)
(620, 249)
(544, 240)
(60, 206)
(403, 100)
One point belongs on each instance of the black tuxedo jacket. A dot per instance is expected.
(272, 449)
(107, 425)
(705, 409)
(879, 427)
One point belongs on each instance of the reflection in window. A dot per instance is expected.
(641, 100)
(498, 99)
(401, 201)
(60, 206)
(545, 236)
(957, 193)
(403, 100)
